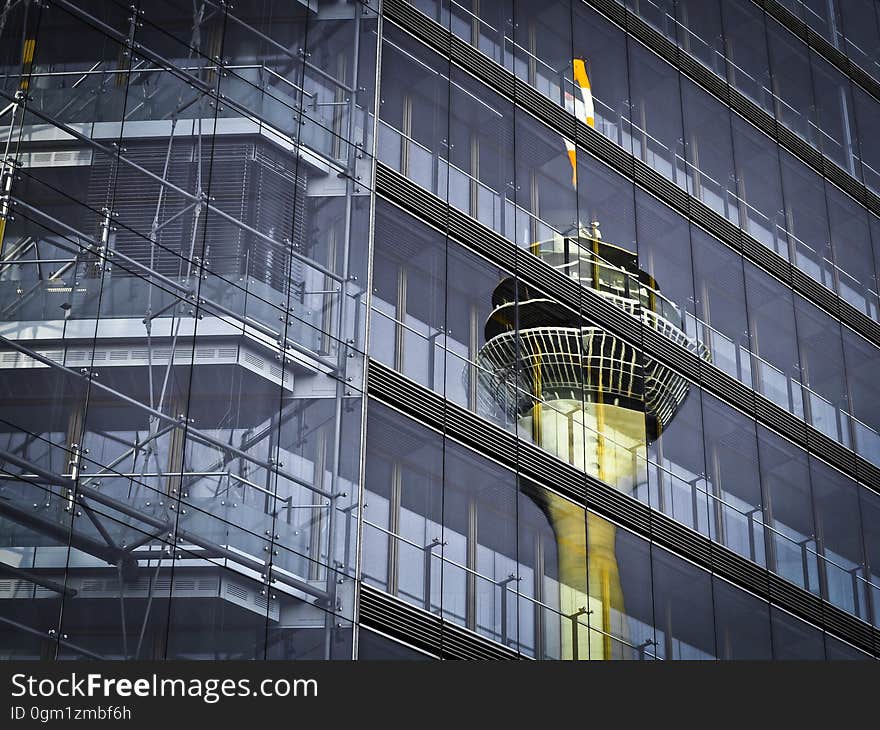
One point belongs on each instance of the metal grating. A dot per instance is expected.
(751, 111)
(460, 643)
(665, 189)
(395, 389)
(612, 9)
(417, 23)
(421, 629)
(397, 188)
(667, 531)
(767, 259)
(816, 292)
(865, 326)
(702, 75)
(800, 147)
(486, 241)
(856, 630)
(838, 175)
(658, 43)
(830, 449)
(780, 419)
(399, 620)
(599, 145)
(531, 99)
(667, 351)
(795, 599)
(563, 477)
(472, 429)
(868, 473)
(739, 569)
(489, 72)
(618, 506)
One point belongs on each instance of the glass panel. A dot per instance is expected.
(806, 221)
(700, 32)
(792, 82)
(664, 254)
(487, 26)
(748, 65)
(546, 198)
(759, 188)
(622, 580)
(659, 13)
(822, 371)
(837, 650)
(709, 151)
(656, 126)
(373, 646)
(721, 319)
(227, 630)
(742, 623)
(772, 331)
(403, 534)
(553, 594)
(409, 297)
(481, 153)
(795, 639)
(869, 503)
(414, 111)
(79, 74)
(851, 241)
(862, 363)
(839, 535)
(867, 110)
(835, 114)
(602, 47)
(822, 16)
(677, 484)
(480, 544)
(860, 26)
(732, 480)
(172, 307)
(472, 284)
(788, 511)
(683, 607)
(542, 45)
(608, 200)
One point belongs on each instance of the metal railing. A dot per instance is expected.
(514, 612)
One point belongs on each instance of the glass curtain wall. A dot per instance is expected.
(686, 134)
(466, 539)
(710, 467)
(534, 202)
(181, 306)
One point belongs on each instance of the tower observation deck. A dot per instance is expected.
(587, 396)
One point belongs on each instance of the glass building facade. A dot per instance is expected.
(560, 324)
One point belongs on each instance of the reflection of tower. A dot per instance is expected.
(588, 397)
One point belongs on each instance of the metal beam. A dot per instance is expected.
(64, 535)
(36, 579)
(63, 642)
(111, 556)
(190, 429)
